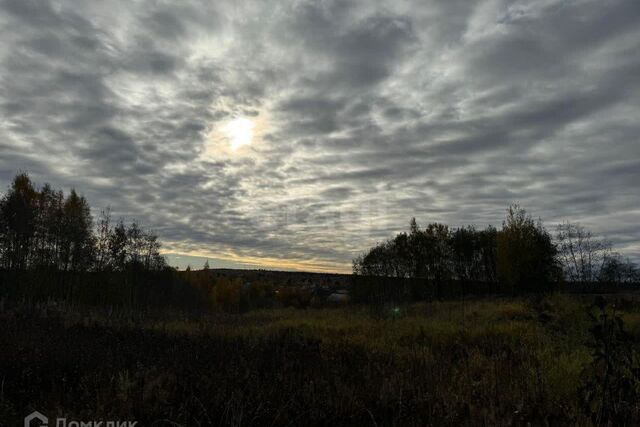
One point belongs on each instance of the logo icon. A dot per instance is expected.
(44, 421)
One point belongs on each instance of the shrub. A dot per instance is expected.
(290, 296)
(611, 391)
(227, 294)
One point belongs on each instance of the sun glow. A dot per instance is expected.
(235, 137)
(239, 131)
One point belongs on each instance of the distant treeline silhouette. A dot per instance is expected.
(50, 247)
(43, 229)
(521, 257)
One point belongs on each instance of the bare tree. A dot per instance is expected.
(582, 255)
(618, 270)
(103, 235)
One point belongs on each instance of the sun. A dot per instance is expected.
(239, 131)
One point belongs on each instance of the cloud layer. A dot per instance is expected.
(367, 113)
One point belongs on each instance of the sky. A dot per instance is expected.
(297, 134)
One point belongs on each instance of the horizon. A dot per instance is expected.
(296, 135)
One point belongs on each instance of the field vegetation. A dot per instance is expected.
(555, 360)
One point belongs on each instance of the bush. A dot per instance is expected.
(227, 294)
(290, 296)
(611, 390)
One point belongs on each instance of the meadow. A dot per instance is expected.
(552, 360)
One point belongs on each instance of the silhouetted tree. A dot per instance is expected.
(49, 228)
(489, 253)
(616, 270)
(103, 236)
(435, 253)
(526, 254)
(44, 231)
(135, 245)
(152, 259)
(118, 244)
(582, 255)
(474, 254)
(377, 262)
(401, 256)
(18, 209)
(438, 252)
(78, 239)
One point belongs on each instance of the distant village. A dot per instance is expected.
(331, 287)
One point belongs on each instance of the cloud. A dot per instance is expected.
(367, 114)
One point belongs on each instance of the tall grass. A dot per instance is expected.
(485, 362)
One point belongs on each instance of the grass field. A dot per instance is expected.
(480, 362)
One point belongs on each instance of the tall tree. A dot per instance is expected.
(135, 245)
(18, 210)
(103, 237)
(48, 233)
(118, 247)
(43, 229)
(526, 254)
(78, 239)
(152, 259)
(437, 249)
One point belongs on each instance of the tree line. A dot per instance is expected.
(42, 229)
(52, 249)
(521, 256)
(50, 246)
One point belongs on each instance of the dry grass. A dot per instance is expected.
(491, 361)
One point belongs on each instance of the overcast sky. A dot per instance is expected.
(363, 114)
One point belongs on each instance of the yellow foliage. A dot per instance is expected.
(227, 293)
